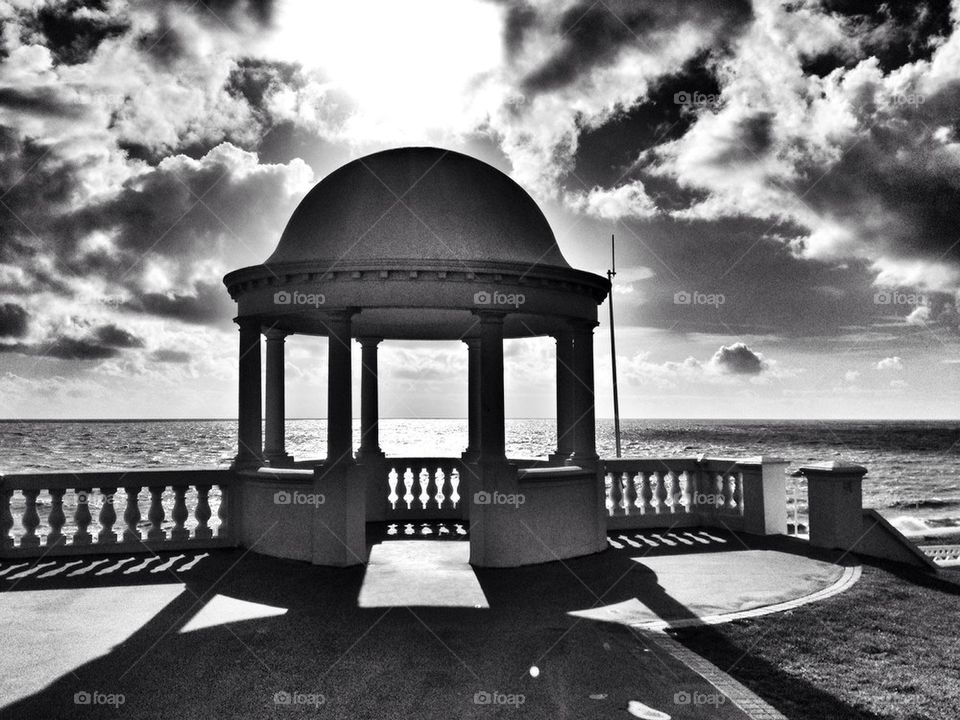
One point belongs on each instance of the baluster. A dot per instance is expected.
(82, 517)
(107, 517)
(629, 494)
(685, 492)
(202, 513)
(392, 497)
(131, 515)
(796, 505)
(156, 515)
(424, 481)
(670, 490)
(735, 493)
(616, 494)
(408, 486)
(659, 492)
(645, 494)
(720, 500)
(30, 520)
(57, 519)
(6, 519)
(438, 480)
(179, 514)
(454, 487)
(223, 512)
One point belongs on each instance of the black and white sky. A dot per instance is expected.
(783, 179)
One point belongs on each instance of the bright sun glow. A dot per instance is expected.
(405, 65)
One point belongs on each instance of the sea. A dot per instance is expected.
(913, 466)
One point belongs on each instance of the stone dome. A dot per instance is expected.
(417, 204)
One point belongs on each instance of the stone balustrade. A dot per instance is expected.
(114, 511)
(746, 494)
(146, 510)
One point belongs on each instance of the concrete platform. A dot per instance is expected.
(231, 634)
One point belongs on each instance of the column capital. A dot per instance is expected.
(471, 342)
(369, 341)
(490, 316)
(582, 325)
(247, 322)
(274, 334)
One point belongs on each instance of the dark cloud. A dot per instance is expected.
(14, 320)
(605, 154)
(593, 34)
(64, 348)
(229, 11)
(737, 359)
(117, 337)
(765, 288)
(898, 186)
(896, 32)
(165, 355)
(73, 36)
(210, 305)
(105, 341)
(40, 101)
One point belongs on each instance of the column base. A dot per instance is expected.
(470, 456)
(245, 462)
(583, 460)
(558, 458)
(370, 455)
(278, 459)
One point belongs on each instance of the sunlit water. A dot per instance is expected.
(914, 467)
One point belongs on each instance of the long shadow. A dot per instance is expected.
(330, 655)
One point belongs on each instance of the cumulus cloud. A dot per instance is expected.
(737, 359)
(890, 364)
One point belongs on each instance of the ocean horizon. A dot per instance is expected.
(914, 465)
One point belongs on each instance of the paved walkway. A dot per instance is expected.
(418, 633)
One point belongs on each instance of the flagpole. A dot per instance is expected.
(613, 347)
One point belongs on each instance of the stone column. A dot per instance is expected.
(249, 418)
(584, 412)
(492, 435)
(835, 503)
(339, 395)
(275, 445)
(565, 393)
(472, 453)
(369, 401)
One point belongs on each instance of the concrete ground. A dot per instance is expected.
(418, 633)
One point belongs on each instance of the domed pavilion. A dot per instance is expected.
(417, 243)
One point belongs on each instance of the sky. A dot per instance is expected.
(783, 180)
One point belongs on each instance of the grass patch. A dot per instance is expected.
(889, 647)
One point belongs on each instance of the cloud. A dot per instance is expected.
(14, 320)
(629, 200)
(851, 376)
(737, 359)
(116, 337)
(166, 355)
(892, 364)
